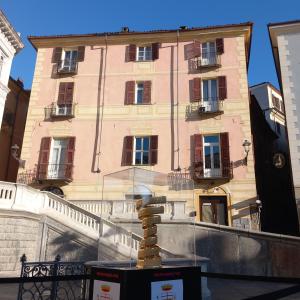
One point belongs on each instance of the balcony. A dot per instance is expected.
(55, 172)
(58, 110)
(67, 66)
(198, 174)
(205, 106)
(206, 60)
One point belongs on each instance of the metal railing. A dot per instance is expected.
(205, 106)
(67, 66)
(198, 172)
(54, 172)
(61, 110)
(206, 60)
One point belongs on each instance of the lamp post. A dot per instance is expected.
(246, 145)
(259, 207)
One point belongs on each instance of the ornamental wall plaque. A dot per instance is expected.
(279, 160)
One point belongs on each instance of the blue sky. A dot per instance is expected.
(42, 17)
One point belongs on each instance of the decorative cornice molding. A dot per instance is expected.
(9, 32)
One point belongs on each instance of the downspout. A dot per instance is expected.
(177, 102)
(102, 107)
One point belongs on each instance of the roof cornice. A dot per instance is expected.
(125, 37)
(12, 36)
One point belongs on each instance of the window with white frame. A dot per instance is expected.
(144, 53)
(210, 89)
(212, 156)
(208, 53)
(139, 92)
(56, 167)
(69, 59)
(141, 151)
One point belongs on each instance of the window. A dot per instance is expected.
(139, 92)
(276, 102)
(56, 158)
(214, 209)
(212, 165)
(144, 53)
(210, 90)
(141, 150)
(69, 60)
(208, 54)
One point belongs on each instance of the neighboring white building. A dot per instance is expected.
(285, 40)
(10, 45)
(271, 103)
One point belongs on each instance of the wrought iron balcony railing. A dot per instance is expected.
(62, 172)
(205, 106)
(199, 173)
(59, 110)
(67, 66)
(206, 60)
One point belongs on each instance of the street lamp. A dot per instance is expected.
(259, 207)
(246, 146)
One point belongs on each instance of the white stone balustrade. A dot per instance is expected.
(125, 209)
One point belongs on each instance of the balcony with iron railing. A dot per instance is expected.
(198, 173)
(67, 66)
(210, 105)
(54, 172)
(206, 60)
(60, 110)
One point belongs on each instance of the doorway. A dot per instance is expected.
(214, 209)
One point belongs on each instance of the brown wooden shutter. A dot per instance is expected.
(220, 46)
(65, 93)
(198, 155)
(81, 52)
(132, 52)
(222, 83)
(44, 158)
(127, 151)
(56, 55)
(147, 92)
(69, 92)
(69, 159)
(196, 90)
(153, 149)
(197, 49)
(192, 50)
(155, 51)
(225, 157)
(129, 92)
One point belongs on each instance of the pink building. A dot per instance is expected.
(173, 101)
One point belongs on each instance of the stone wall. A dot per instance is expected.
(19, 233)
(231, 250)
(41, 238)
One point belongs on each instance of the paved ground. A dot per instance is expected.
(221, 290)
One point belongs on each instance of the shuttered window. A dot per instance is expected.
(138, 92)
(65, 93)
(211, 156)
(140, 150)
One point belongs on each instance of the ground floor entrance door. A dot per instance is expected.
(214, 209)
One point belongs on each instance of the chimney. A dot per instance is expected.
(183, 27)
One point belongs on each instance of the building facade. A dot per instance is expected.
(172, 101)
(12, 129)
(10, 45)
(285, 41)
(270, 101)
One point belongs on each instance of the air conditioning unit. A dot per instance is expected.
(201, 109)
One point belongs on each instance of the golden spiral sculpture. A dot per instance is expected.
(148, 254)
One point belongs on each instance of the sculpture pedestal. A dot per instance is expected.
(165, 283)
